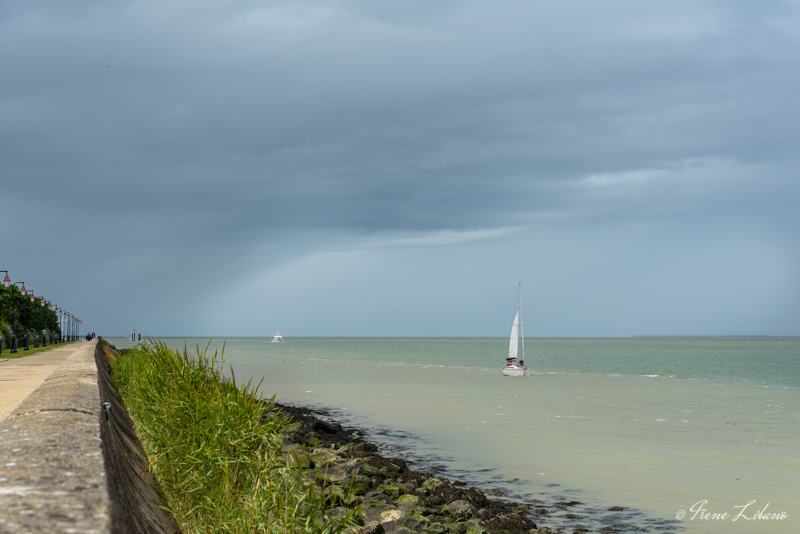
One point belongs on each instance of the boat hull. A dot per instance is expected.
(513, 372)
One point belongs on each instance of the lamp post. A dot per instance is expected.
(44, 328)
(49, 307)
(6, 283)
(13, 318)
(6, 280)
(33, 301)
(25, 308)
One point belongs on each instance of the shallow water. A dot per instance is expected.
(652, 425)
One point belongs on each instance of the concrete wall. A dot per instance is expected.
(69, 463)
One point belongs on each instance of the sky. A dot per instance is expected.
(370, 168)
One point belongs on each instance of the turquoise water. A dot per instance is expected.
(655, 425)
(766, 361)
(769, 361)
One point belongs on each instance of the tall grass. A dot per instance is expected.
(215, 457)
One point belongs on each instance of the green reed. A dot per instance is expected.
(214, 454)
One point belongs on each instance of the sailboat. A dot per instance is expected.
(515, 366)
(277, 338)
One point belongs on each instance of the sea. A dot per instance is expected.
(695, 435)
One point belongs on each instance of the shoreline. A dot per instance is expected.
(519, 514)
(394, 497)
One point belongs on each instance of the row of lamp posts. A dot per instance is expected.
(68, 324)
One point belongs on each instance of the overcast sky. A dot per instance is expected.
(367, 168)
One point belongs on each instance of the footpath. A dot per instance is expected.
(69, 460)
(19, 377)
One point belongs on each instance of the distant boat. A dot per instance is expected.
(516, 366)
(277, 338)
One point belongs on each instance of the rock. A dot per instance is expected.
(459, 508)
(390, 490)
(331, 475)
(416, 524)
(432, 484)
(382, 514)
(391, 515)
(360, 485)
(323, 456)
(475, 528)
(328, 428)
(410, 500)
(373, 527)
(393, 498)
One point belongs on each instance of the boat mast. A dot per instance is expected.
(521, 322)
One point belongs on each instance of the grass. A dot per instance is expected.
(6, 353)
(215, 456)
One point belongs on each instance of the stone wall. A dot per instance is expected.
(69, 460)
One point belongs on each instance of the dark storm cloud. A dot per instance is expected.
(217, 126)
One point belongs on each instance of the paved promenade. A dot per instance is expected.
(69, 459)
(52, 472)
(19, 377)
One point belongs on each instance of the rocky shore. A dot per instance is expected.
(395, 498)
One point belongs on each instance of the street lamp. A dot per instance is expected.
(24, 293)
(6, 283)
(33, 301)
(44, 327)
(49, 307)
(13, 317)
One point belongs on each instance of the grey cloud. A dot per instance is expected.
(217, 126)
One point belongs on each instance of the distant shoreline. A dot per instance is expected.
(650, 336)
(717, 337)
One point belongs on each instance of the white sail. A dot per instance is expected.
(513, 342)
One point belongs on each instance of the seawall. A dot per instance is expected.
(69, 460)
